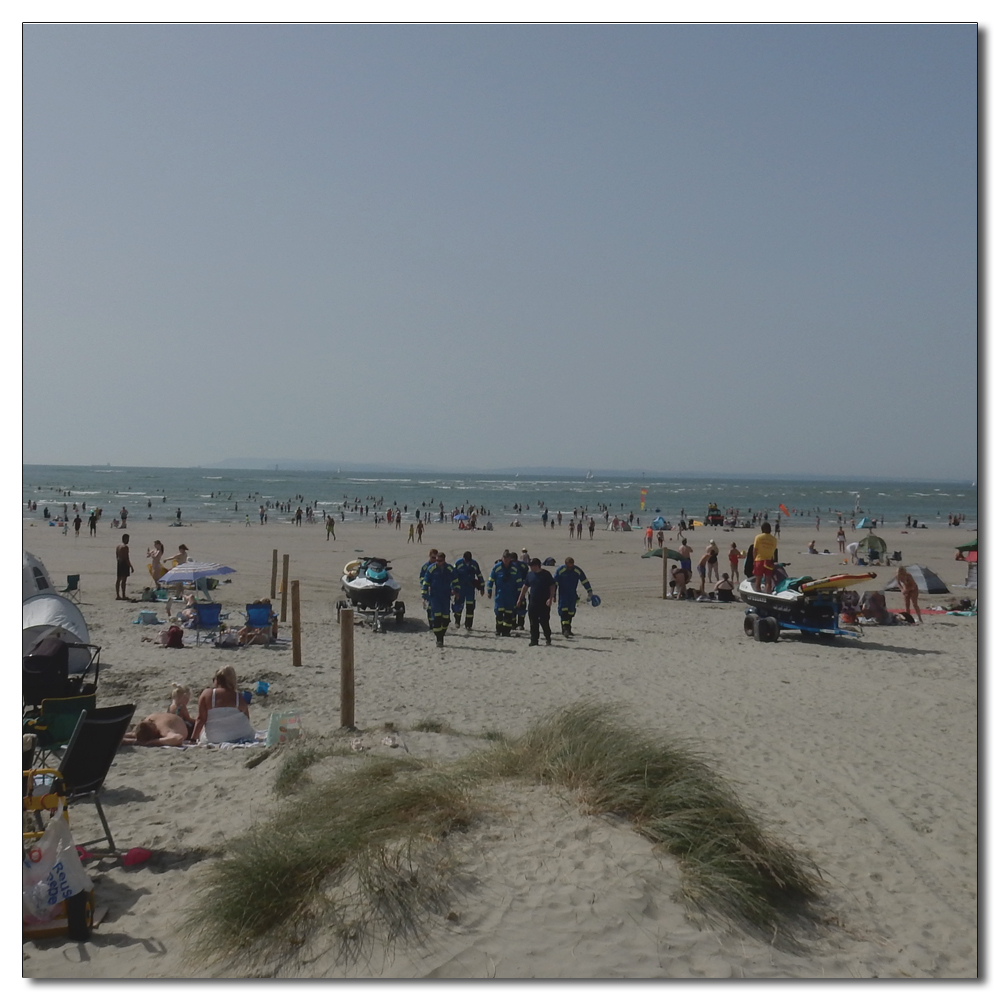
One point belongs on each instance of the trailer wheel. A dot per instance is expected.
(79, 916)
(400, 610)
(766, 630)
(748, 625)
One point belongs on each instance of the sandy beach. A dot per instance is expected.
(861, 753)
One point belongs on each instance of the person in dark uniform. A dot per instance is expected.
(567, 578)
(431, 559)
(505, 579)
(470, 578)
(540, 589)
(440, 585)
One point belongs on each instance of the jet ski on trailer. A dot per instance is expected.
(799, 604)
(370, 589)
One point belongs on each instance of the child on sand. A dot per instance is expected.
(180, 695)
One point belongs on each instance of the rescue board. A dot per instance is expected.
(838, 582)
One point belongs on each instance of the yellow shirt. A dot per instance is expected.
(764, 546)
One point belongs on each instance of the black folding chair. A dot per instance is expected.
(45, 671)
(89, 755)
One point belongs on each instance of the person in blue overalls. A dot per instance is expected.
(431, 559)
(505, 579)
(440, 585)
(568, 576)
(470, 578)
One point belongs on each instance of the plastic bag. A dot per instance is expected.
(52, 872)
(283, 727)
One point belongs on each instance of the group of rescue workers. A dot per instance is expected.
(523, 588)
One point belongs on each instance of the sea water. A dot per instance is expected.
(206, 494)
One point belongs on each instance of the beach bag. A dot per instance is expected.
(172, 638)
(283, 727)
(51, 874)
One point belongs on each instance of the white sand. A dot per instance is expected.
(863, 754)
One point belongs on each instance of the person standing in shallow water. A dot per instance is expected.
(124, 569)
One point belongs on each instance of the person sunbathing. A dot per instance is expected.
(223, 715)
(161, 729)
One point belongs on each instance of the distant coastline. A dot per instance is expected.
(345, 469)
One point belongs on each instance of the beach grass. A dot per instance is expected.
(366, 853)
(361, 854)
(674, 796)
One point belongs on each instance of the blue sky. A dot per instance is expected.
(674, 247)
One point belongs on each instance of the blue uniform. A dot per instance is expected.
(506, 581)
(567, 580)
(423, 572)
(439, 583)
(470, 579)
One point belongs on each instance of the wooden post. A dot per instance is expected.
(274, 574)
(284, 585)
(347, 668)
(296, 627)
(663, 552)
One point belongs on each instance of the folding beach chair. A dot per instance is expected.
(72, 589)
(45, 672)
(258, 618)
(88, 757)
(207, 621)
(54, 726)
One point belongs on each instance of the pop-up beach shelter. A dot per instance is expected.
(35, 577)
(865, 522)
(48, 615)
(927, 581)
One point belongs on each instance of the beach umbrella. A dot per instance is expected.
(968, 547)
(671, 554)
(192, 572)
(461, 517)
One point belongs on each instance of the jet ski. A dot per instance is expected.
(370, 589)
(798, 604)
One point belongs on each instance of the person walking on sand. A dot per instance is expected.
(540, 589)
(909, 589)
(409, 537)
(330, 528)
(470, 578)
(649, 539)
(420, 532)
(440, 586)
(92, 522)
(77, 521)
(590, 528)
(567, 578)
(505, 579)
(841, 539)
(124, 569)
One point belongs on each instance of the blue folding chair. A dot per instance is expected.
(258, 618)
(208, 621)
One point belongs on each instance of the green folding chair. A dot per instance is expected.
(72, 589)
(55, 725)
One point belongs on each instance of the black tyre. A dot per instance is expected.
(766, 630)
(79, 916)
(748, 625)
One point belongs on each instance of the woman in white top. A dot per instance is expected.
(222, 713)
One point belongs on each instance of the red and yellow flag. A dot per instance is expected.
(642, 498)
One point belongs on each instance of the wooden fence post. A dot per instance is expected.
(296, 627)
(284, 585)
(347, 668)
(274, 574)
(663, 552)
